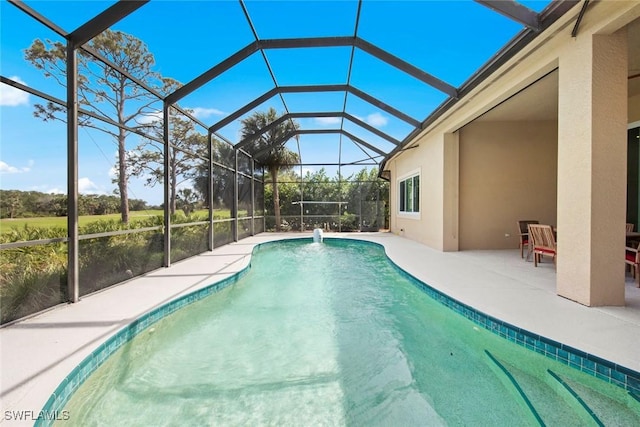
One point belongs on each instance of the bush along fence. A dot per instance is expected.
(33, 260)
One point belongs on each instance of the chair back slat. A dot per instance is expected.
(524, 236)
(632, 258)
(542, 237)
(523, 225)
(543, 242)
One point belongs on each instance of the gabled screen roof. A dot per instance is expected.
(359, 77)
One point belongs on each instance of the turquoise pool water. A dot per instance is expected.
(333, 334)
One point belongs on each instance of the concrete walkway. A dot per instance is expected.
(37, 353)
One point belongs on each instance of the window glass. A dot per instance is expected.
(416, 193)
(409, 195)
(409, 190)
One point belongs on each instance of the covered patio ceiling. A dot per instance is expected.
(361, 78)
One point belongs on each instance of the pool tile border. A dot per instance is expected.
(54, 406)
(590, 364)
(593, 365)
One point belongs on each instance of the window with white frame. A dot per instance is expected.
(409, 191)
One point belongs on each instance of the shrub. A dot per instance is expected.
(31, 279)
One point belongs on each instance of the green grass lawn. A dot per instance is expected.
(7, 225)
(61, 221)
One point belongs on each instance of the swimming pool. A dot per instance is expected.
(334, 334)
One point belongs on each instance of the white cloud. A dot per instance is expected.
(112, 172)
(149, 118)
(203, 113)
(86, 186)
(46, 189)
(12, 97)
(377, 120)
(7, 168)
(326, 121)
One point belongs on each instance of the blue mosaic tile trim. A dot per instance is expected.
(610, 372)
(60, 397)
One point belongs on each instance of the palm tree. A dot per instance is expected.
(269, 148)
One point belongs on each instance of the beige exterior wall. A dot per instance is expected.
(590, 145)
(427, 159)
(508, 172)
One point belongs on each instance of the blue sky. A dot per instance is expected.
(448, 39)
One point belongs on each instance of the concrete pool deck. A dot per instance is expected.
(36, 354)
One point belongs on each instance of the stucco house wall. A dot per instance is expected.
(508, 172)
(467, 168)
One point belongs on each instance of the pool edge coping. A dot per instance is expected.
(590, 364)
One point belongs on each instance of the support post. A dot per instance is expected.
(167, 211)
(73, 278)
(301, 200)
(339, 201)
(210, 178)
(264, 210)
(253, 197)
(592, 168)
(450, 202)
(360, 208)
(235, 197)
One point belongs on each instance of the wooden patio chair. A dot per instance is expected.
(543, 242)
(632, 241)
(524, 236)
(632, 259)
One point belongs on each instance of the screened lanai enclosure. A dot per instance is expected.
(139, 133)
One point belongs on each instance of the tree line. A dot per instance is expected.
(28, 204)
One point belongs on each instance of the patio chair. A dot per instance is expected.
(543, 242)
(632, 241)
(524, 236)
(632, 259)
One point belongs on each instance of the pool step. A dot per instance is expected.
(575, 395)
(603, 410)
(519, 389)
(548, 402)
